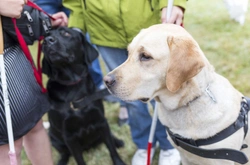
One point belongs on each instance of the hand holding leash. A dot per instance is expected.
(60, 19)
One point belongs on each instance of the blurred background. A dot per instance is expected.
(226, 44)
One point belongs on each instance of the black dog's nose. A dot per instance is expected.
(50, 40)
(109, 80)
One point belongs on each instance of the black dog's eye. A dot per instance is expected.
(144, 57)
(65, 33)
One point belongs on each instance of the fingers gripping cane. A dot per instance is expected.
(12, 154)
(155, 117)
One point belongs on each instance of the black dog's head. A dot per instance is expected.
(66, 48)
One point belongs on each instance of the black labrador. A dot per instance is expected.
(76, 117)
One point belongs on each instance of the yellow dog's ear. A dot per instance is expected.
(184, 62)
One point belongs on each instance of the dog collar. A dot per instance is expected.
(71, 83)
(88, 99)
(192, 146)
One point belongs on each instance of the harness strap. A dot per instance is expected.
(239, 123)
(222, 153)
(87, 100)
(31, 4)
(230, 154)
(246, 106)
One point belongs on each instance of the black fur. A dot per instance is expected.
(67, 55)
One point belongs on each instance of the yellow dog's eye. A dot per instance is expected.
(145, 57)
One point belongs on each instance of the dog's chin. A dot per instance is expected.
(48, 53)
(144, 100)
(53, 58)
(128, 98)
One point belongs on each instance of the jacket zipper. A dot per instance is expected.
(151, 6)
(85, 6)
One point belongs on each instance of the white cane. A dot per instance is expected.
(169, 8)
(151, 134)
(155, 116)
(12, 154)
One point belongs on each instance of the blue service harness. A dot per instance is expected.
(192, 146)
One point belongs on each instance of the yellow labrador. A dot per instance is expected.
(206, 117)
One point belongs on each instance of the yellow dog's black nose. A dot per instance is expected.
(109, 80)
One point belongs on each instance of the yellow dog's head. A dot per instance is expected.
(163, 56)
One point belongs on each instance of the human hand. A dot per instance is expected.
(61, 19)
(176, 17)
(12, 8)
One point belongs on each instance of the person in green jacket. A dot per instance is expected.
(112, 24)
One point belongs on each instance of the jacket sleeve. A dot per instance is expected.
(76, 18)
(181, 3)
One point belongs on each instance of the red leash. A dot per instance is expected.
(37, 71)
(31, 4)
(39, 68)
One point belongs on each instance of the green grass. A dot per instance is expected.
(225, 43)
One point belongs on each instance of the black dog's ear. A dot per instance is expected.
(89, 51)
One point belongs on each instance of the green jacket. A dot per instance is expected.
(114, 23)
